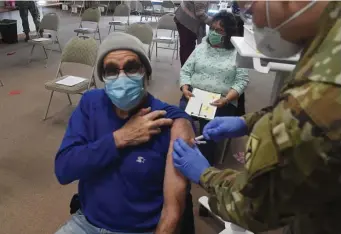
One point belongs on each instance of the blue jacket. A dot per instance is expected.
(120, 190)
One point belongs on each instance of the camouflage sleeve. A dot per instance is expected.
(293, 162)
(252, 118)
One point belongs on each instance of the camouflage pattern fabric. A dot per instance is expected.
(292, 173)
(24, 7)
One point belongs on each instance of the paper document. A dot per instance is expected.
(85, 29)
(200, 105)
(71, 81)
(65, 7)
(165, 38)
(42, 39)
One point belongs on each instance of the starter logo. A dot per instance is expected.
(140, 159)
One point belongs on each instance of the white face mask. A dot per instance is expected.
(269, 41)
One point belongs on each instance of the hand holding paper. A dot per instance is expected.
(200, 105)
(188, 94)
(220, 102)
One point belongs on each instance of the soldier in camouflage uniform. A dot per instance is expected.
(292, 174)
(24, 7)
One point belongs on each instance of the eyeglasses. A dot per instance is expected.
(130, 69)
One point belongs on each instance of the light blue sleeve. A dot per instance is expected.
(241, 80)
(187, 69)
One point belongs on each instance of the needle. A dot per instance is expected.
(201, 137)
(199, 140)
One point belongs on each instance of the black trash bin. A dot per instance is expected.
(8, 29)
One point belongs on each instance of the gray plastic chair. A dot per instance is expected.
(166, 22)
(49, 22)
(90, 15)
(79, 51)
(167, 7)
(79, 5)
(121, 10)
(148, 10)
(105, 6)
(144, 32)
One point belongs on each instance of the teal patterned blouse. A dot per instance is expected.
(214, 70)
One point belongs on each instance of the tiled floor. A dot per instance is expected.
(31, 200)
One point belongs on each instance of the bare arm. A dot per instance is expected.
(232, 95)
(174, 183)
(200, 12)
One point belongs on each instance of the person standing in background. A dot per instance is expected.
(191, 19)
(24, 7)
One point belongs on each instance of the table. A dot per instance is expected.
(248, 57)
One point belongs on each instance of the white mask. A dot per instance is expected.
(269, 41)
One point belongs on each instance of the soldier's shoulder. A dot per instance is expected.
(315, 92)
(318, 103)
(324, 64)
(327, 60)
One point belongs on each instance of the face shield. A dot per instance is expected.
(269, 40)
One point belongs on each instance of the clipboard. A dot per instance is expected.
(200, 105)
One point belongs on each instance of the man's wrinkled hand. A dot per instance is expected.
(141, 127)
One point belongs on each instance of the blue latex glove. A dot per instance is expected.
(189, 160)
(225, 127)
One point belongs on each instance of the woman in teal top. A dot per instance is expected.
(212, 67)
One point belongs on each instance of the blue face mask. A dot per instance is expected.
(125, 92)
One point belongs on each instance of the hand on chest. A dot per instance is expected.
(140, 163)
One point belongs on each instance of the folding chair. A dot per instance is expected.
(66, 6)
(167, 7)
(90, 15)
(166, 22)
(144, 32)
(103, 7)
(77, 5)
(121, 10)
(77, 51)
(49, 22)
(148, 10)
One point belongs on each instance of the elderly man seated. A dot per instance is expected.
(118, 144)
